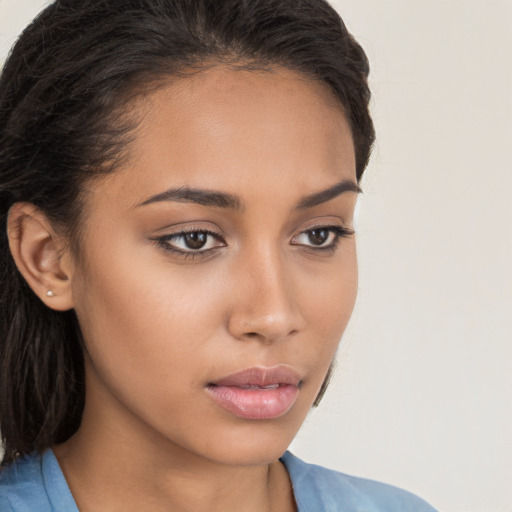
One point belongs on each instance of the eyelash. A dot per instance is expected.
(339, 232)
(163, 241)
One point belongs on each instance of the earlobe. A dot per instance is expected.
(40, 255)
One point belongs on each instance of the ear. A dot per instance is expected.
(41, 256)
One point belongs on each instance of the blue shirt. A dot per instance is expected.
(35, 483)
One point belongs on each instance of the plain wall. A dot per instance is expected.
(422, 397)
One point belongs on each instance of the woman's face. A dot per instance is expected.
(218, 266)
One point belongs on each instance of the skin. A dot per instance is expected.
(159, 325)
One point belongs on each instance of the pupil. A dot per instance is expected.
(318, 236)
(195, 240)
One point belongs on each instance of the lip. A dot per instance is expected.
(257, 393)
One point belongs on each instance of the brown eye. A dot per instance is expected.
(321, 238)
(195, 240)
(318, 236)
(191, 242)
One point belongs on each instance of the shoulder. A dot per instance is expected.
(22, 487)
(34, 482)
(319, 488)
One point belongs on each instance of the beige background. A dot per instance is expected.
(423, 392)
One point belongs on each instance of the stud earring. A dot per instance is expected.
(50, 293)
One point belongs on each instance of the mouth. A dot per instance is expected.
(257, 393)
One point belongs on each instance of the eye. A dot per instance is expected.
(323, 237)
(190, 242)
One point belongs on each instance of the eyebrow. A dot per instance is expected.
(218, 199)
(198, 196)
(328, 194)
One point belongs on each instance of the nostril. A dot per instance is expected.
(264, 326)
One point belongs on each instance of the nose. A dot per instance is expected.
(266, 306)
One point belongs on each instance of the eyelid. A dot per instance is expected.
(163, 241)
(336, 229)
(329, 225)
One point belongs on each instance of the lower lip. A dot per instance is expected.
(255, 404)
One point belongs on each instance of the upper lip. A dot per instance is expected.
(261, 376)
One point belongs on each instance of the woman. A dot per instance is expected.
(178, 180)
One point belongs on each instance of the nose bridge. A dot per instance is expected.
(267, 305)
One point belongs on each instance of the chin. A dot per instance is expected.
(258, 454)
(251, 443)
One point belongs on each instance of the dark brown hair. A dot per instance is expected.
(62, 92)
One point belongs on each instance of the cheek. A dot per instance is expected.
(331, 296)
(328, 299)
(142, 337)
(139, 326)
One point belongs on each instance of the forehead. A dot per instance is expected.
(230, 129)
